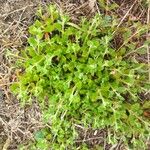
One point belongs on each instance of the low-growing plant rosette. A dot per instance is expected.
(77, 77)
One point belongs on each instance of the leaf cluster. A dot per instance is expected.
(78, 77)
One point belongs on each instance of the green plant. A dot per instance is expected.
(77, 77)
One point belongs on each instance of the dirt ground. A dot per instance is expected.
(18, 124)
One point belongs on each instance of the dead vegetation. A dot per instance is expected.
(18, 124)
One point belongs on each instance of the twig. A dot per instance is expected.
(83, 5)
(7, 144)
(126, 41)
(98, 8)
(1, 85)
(89, 139)
(125, 16)
(11, 24)
(17, 10)
(92, 5)
(79, 126)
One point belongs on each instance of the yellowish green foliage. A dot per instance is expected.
(77, 77)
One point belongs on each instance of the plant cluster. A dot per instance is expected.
(78, 77)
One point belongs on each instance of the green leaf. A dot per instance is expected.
(39, 135)
(33, 42)
(146, 104)
(80, 80)
(142, 50)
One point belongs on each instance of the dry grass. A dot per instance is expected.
(18, 124)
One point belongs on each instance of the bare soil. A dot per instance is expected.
(17, 124)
